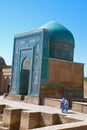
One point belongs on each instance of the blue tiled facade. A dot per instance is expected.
(35, 47)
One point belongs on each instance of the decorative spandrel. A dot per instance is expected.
(26, 64)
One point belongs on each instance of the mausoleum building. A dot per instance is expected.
(43, 64)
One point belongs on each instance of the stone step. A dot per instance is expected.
(14, 97)
(4, 128)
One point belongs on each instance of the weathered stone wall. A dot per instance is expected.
(79, 107)
(5, 79)
(32, 99)
(65, 80)
(52, 102)
(15, 97)
(52, 92)
(85, 89)
(68, 74)
(56, 103)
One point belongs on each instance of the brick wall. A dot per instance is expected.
(51, 92)
(69, 74)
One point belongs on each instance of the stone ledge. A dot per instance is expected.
(79, 107)
(15, 97)
(32, 99)
(72, 126)
(32, 119)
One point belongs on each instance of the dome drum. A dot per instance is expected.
(61, 50)
(61, 41)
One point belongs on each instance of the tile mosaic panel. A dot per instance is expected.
(35, 47)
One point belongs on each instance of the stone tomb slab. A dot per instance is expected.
(32, 119)
(11, 118)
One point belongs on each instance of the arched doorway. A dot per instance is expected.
(7, 84)
(24, 76)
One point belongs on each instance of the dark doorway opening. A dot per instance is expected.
(24, 77)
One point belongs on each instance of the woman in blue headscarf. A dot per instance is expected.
(66, 104)
(62, 104)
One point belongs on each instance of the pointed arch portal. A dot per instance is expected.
(24, 76)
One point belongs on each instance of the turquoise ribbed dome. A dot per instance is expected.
(58, 32)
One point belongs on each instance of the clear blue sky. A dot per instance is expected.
(18, 16)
